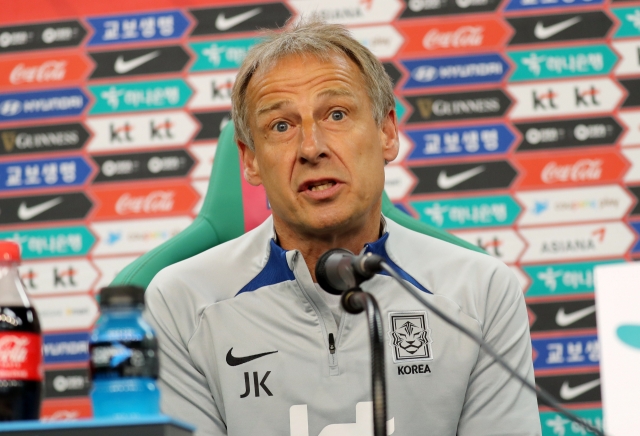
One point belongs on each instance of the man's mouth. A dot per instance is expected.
(321, 186)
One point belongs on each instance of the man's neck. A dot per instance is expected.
(313, 246)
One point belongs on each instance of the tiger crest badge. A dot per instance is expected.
(410, 336)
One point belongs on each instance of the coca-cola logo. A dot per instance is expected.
(464, 36)
(48, 71)
(62, 415)
(154, 202)
(582, 170)
(13, 351)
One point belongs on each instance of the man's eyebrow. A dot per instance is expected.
(336, 92)
(273, 106)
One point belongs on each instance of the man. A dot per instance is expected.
(252, 346)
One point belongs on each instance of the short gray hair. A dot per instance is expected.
(319, 39)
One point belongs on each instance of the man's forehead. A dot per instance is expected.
(278, 82)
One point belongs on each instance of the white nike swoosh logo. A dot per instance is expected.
(565, 319)
(223, 23)
(26, 213)
(542, 32)
(569, 393)
(121, 66)
(448, 182)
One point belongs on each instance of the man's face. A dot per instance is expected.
(318, 150)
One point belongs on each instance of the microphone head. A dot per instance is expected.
(327, 279)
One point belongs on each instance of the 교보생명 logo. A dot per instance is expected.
(486, 139)
(409, 335)
(151, 26)
(524, 5)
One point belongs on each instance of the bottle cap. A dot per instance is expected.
(121, 296)
(9, 251)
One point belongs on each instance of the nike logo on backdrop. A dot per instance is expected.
(121, 66)
(223, 23)
(542, 32)
(565, 319)
(25, 213)
(569, 393)
(235, 361)
(448, 182)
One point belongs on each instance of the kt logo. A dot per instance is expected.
(28, 279)
(121, 134)
(221, 91)
(544, 101)
(587, 97)
(161, 131)
(64, 278)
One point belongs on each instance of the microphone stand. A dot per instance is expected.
(355, 301)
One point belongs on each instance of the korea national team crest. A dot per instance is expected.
(409, 336)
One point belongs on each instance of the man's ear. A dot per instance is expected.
(389, 136)
(251, 169)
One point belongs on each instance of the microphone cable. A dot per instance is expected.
(541, 393)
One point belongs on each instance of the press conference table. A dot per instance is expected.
(153, 426)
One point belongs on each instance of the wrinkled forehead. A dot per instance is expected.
(275, 66)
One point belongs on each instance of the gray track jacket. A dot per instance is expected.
(250, 347)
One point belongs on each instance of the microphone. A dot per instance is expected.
(340, 270)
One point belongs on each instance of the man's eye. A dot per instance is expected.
(337, 115)
(281, 126)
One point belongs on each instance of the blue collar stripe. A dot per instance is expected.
(275, 271)
(378, 248)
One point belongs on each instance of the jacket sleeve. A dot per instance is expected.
(184, 391)
(497, 403)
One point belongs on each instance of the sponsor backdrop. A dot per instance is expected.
(520, 124)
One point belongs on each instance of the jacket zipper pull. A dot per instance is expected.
(332, 344)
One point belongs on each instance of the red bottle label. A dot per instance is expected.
(20, 356)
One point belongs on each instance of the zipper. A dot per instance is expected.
(326, 334)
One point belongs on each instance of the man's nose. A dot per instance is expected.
(312, 144)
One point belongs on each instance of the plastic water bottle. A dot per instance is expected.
(124, 357)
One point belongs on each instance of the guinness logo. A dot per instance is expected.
(9, 140)
(424, 106)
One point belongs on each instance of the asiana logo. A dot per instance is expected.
(409, 336)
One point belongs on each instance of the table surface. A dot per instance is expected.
(90, 423)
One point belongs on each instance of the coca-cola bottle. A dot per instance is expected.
(20, 343)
